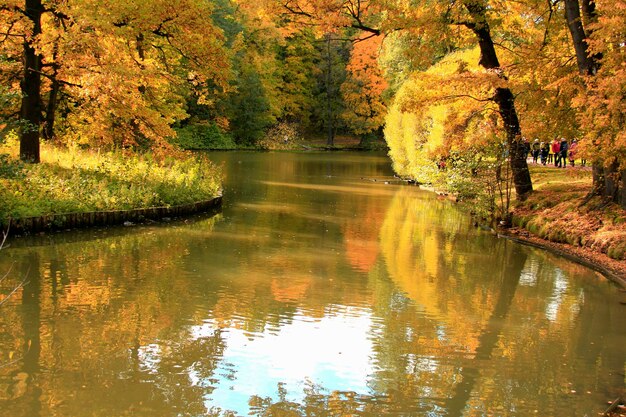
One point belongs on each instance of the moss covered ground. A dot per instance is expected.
(560, 211)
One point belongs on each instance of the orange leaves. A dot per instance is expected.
(133, 64)
(364, 63)
(125, 68)
(600, 99)
(362, 91)
(330, 16)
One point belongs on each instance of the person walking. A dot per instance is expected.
(564, 147)
(545, 151)
(535, 150)
(550, 153)
(556, 149)
(573, 151)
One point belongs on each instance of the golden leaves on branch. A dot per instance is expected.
(123, 66)
(452, 102)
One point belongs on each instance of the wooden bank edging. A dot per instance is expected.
(53, 222)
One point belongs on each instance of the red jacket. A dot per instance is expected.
(555, 147)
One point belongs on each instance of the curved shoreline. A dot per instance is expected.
(78, 220)
(612, 269)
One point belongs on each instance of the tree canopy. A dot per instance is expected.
(465, 75)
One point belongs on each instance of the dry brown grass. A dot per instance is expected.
(341, 141)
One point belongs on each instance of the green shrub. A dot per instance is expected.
(617, 250)
(10, 168)
(202, 137)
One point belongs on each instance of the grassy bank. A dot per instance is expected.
(559, 211)
(73, 180)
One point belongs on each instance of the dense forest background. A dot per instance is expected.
(463, 82)
(201, 74)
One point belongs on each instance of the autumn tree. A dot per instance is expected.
(432, 21)
(271, 78)
(145, 60)
(22, 25)
(120, 70)
(299, 58)
(364, 88)
(570, 78)
(596, 29)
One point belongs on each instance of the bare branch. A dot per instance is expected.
(4, 236)
(7, 274)
(4, 365)
(370, 36)
(8, 33)
(360, 26)
(506, 48)
(7, 8)
(296, 10)
(159, 30)
(52, 78)
(353, 10)
(18, 287)
(455, 96)
(355, 13)
(551, 5)
(21, 284)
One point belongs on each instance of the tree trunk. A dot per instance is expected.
(48, 129)
(31, 88)
(621, 194)
(579, 38)
(605, 182)
(517, 149)
(598, 178)
(589, 12)
(612, 179)
(53, 96)
(504, 98)
(330, 139)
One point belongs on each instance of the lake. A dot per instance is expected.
(325, 287)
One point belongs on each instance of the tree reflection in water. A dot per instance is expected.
(316, 293)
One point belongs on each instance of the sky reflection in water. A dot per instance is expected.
(333, 351)
(316, 287)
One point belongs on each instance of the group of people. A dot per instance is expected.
(558, 151)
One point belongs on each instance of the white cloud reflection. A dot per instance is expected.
(333, 351)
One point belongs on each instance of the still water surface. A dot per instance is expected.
(324, 288)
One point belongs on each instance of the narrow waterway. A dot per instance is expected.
(324, 288)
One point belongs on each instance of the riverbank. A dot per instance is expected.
(559, 217)
(69, 184)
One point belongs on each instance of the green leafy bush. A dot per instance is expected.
(10, 168)
(202, 137)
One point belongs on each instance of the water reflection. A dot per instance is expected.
(334, 349)
(324, 288)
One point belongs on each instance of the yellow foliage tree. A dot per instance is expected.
(443, 24)
(602, 104)
(122, 69)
